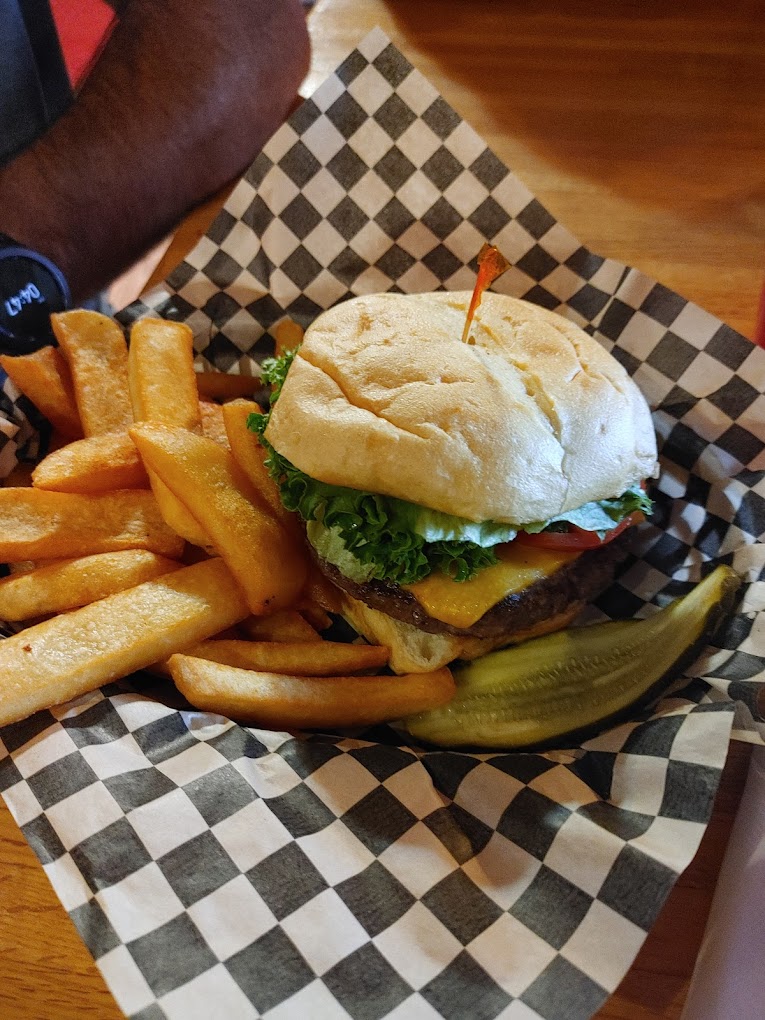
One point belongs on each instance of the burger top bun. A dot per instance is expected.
(529, 419)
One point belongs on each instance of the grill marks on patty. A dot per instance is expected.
(579, 581)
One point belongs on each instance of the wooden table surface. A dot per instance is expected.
(641, 126)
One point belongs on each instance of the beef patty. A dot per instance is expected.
(577, 582)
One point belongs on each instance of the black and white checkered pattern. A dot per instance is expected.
(218, 870)
(23, 430)
(206, 864)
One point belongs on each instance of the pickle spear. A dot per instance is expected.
(573, 683)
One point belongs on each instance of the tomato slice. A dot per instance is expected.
(577, 539)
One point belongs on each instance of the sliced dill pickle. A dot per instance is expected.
(574, 682)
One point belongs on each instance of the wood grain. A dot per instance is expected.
(642, 128)
(46, 973)
(657, 983)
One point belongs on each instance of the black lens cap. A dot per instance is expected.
(31, 289)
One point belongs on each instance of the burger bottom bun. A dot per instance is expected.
(416, 651)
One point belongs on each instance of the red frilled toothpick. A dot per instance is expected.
(491, 264)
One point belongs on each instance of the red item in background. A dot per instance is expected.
(83, 28)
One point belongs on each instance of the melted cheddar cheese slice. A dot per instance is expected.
(463, 603)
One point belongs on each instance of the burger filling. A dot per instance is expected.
(368, 537)
(490, 611)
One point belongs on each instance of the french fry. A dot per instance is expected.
(288, 334)
(176, 516)
(162, 381)
(71, 654)
(318, 618)
(308, 658)
(67, 584)
(44, 377)
(163, 389)
(213, 425)
(222, 386)
(96, 464)
(161, 667)
(250, 456)
(300, 702)
(320, 592)
(270, 567)
(286, 625)
(95, 349)
(35, 524)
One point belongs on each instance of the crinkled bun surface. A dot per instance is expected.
(530, 419)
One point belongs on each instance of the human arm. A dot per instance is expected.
(184, 95)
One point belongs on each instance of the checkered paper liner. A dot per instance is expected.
(216, 870)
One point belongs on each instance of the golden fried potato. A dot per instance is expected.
(96, 464)
(67, 584)
(306, 658)
(163, 389)
(222, 386)
(320, 592)
(250, 455)
(71, 654)
(213, 425)
(95, 349)
(288, 334)
(44, 377)
(270, 567)
(279, 701)
(286, 625)
(314, 614)
(161, 377)
(35, 524)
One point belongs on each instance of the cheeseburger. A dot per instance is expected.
(460, 495)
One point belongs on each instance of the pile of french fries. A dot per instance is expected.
(152, 537)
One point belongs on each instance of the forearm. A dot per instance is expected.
(183, 97)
